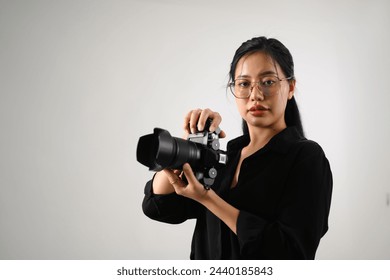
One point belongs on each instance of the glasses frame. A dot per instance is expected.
(253, 84)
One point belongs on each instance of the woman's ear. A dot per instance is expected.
(291, 89)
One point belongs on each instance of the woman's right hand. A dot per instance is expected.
(195, 120)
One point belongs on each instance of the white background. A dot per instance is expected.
(81, 81)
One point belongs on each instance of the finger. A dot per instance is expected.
(204, 116)
(172, 177)
(217, 119)
(208, 114)
(177, 172)
(186, 126)
(194, 120)
(190, 122)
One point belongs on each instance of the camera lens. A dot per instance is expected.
(160, 150)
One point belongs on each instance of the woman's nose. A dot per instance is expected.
(256, 93)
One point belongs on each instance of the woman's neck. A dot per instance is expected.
(261, 136)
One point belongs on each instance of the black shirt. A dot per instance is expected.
(283, 194)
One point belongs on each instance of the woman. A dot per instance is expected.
(273, 198)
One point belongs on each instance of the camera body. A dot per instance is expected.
(201, 150)
(209, 172)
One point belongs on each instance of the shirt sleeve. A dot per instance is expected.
(302, 217)
(168, 208)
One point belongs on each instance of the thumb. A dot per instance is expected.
(222, 134)
(190, 176)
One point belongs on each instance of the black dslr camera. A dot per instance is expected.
(201, 150)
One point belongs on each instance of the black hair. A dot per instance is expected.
(280, 54)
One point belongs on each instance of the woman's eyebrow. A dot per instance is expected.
(269, 72)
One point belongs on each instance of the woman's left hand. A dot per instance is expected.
(194, 189)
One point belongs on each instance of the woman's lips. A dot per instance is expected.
(258, 110)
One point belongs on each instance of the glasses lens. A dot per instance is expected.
(241, 88)
(269, 85)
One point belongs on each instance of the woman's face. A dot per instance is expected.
(261, 111)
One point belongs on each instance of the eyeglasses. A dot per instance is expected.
(268, 85)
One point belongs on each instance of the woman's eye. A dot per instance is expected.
(268, 82)
(244, 84)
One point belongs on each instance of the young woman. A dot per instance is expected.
(273, 198)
